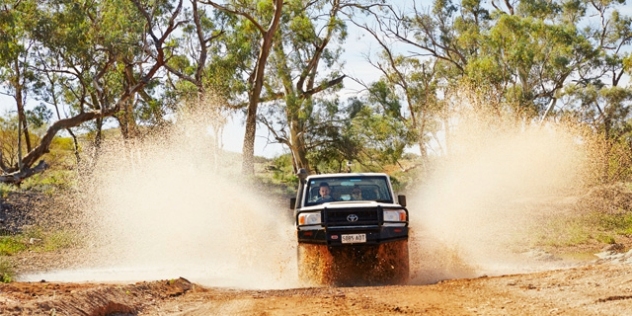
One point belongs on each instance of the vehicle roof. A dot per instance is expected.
(349, 175)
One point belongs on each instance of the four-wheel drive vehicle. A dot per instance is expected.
(350, 238)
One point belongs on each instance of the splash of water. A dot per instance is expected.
(173, 208)
(475, 212)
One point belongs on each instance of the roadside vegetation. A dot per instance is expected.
(32, 241)
(601, 217)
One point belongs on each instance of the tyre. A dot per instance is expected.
(383, 264)
(314, 265)
(393, 265)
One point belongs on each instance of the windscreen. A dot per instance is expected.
(336, 189)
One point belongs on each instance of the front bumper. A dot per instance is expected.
(332, 236)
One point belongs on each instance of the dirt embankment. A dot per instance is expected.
(598, 289)
(45, 298)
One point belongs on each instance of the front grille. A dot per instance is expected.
(338, 217)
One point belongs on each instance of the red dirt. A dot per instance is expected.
(597, 289)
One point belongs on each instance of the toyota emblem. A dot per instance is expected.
(352, 218)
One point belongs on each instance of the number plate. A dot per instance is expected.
(353, 238)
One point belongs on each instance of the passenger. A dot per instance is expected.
(335, 195)
(325, 193)
(356, 193)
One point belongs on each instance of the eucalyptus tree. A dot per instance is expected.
(198, 56)
(301, 48)
(534, 53)
(526, 55)
(611, 71)
(601, 95)
(522, 53)
(103, 63)
(77, 56)
(100, 50)
(206, 71)
(330, 146)
(351, 135)
(16, 76)
(425, 53)
(406, 79)
(446, 32)
(306, 54)
(377, 125)
(256, 26)
(601, 90)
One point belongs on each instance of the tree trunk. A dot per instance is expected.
(248, 150)
(127, 121)
(299, 152)
(422, 144)
(19, 100)
(76, 144)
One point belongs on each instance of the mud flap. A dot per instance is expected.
(354, 266)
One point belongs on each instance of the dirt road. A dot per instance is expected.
(596, 289)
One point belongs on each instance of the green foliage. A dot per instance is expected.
(5, 189)
(38, 240)
(619, 224)
(283, 170)
(51, 181)
(7, 270)
(564, 232)
(538, 8)
(521, 44)
(379, 128)
(10, 245)
(587, 229)
(51, 240)
(606, 239)
(218, 66)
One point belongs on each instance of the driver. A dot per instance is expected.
(325, 193)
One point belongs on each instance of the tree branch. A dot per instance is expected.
(19, 176)
(82, 117)
(325, 86)
(244, 14)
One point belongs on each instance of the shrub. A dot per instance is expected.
(10, 245)
(7, 272)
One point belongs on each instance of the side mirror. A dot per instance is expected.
(292, 203)
(401, 199)
(302, 175)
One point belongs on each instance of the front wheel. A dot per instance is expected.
(383, 264)
(393, 265)
(314, 265)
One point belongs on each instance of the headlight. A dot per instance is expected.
(395, 216)
(309, 218)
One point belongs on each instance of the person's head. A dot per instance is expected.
(356, 193)
(324, 189)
